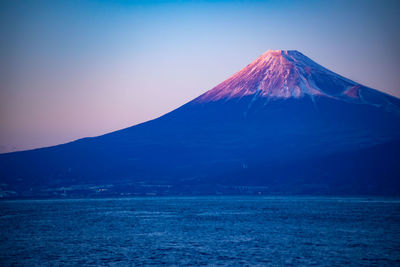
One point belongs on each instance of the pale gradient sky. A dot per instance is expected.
(72, 69)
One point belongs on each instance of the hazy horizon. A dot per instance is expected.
(76, 69)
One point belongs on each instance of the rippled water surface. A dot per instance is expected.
(201, 231)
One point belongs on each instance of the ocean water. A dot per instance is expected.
(233, 231)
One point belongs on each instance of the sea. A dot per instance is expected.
(196, 231)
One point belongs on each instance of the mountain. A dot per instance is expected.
(281, 125)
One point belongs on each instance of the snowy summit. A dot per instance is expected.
(282, 74)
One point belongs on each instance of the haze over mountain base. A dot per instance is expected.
(282, 125)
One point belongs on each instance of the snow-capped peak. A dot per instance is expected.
(283, 74)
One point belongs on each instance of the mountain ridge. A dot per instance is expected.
(257, 129)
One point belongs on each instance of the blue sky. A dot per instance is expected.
(72, 69)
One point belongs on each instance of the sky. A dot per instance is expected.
(73, 69)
